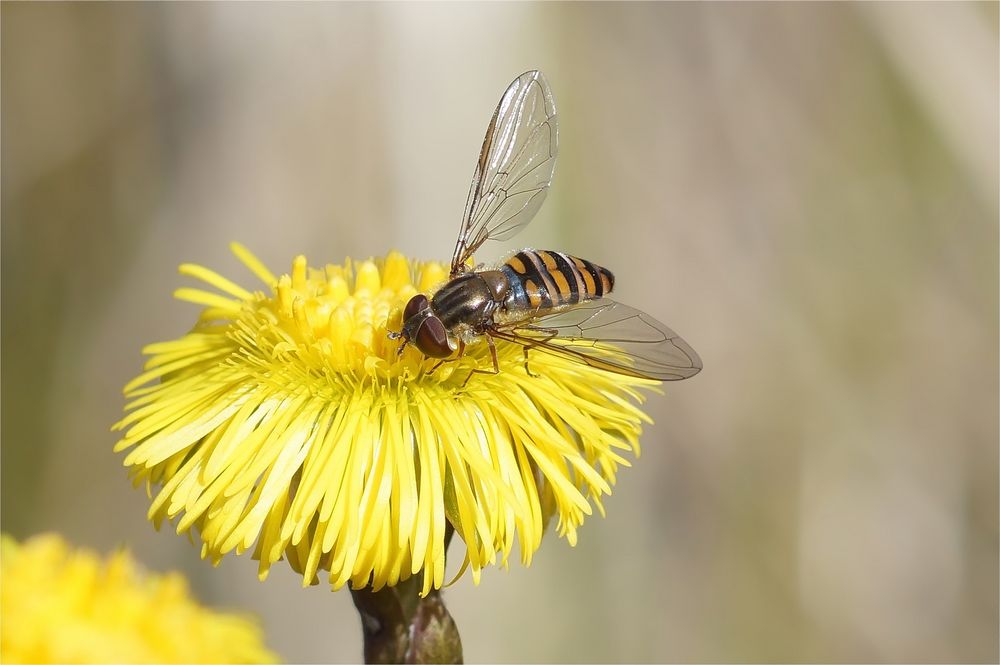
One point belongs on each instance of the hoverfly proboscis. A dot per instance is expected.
(542, 300)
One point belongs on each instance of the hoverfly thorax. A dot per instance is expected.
(424, 329)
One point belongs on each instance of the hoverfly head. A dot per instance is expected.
(423, 328)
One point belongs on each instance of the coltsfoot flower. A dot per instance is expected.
(285, 421)
(60, 605)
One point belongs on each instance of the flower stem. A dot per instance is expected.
(401, 627)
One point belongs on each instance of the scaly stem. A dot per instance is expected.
(401, 627)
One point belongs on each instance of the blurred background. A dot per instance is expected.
(808, 193)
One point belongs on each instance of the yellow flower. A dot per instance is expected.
(70, 606)
(286, 418)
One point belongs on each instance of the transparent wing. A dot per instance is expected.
(514, 169)
(611, 336)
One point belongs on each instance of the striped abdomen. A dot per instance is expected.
(543, 279)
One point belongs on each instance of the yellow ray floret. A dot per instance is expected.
(61, 605)
(285, 421)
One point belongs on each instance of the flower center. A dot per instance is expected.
(337, 319)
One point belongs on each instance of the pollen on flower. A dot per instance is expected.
(286, 421)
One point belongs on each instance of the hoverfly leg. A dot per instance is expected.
(493, 355)
(461, 352)
(526, 370)
(549, 334)
(394, 336)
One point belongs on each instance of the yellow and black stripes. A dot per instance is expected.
(543, 279)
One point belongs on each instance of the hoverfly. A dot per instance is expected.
(540, 299)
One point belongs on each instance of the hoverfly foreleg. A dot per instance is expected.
(455, 358)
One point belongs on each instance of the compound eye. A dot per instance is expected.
(432, 338)
(417, 304)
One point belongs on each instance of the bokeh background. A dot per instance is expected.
(807, 192)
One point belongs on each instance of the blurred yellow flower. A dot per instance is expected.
(59, 605)
(286, 418)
